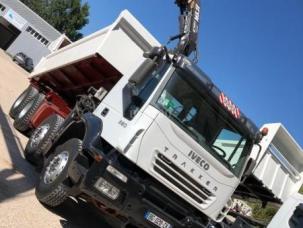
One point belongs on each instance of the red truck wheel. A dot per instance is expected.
(41, 139)
(52, 188)
(22, 121)
(22, 100)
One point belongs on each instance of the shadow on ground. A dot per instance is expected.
(21, 177)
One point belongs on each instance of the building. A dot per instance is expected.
(22, 30)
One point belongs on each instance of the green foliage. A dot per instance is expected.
(301, 190)
(262, 214)
(67, 16)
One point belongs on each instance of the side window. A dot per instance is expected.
(171, 105)
(191, 114)
(149, 87)
(137, 101)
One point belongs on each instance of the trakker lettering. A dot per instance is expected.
(230, 106)
(198, 160)
(195, 172)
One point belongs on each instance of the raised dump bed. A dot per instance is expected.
(100, 59)
(280, 164)
(279, 170)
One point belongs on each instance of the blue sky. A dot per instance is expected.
(252, 49)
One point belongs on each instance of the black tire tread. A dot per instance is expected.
(45, 143)
(55, 194)
(56, 197)
(22, 124)
(36, 157)
(30, 93)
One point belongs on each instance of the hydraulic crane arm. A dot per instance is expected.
(189, 26)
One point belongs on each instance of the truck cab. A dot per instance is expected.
(172, 128)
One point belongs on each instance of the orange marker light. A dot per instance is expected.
(264, 131)
(98, 158)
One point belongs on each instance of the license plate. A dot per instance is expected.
(154, 219)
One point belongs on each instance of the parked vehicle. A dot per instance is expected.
(116, 119)
(290, 215)
(24, 61)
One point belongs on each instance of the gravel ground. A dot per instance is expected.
(18, 204)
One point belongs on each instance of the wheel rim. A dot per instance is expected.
(38, 135)
(55, 167)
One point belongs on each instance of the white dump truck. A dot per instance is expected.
(143, 143)
(145, 135)
(118, 120)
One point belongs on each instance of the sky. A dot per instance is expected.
(251, 49)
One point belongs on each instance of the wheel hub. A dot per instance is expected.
(55, 167)
(38, 135)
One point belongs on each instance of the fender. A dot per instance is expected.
(93, 128)
(88, 129)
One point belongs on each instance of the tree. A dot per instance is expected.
(67, 16)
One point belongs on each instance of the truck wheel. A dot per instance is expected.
(41, 138)
(23, 118)
(54, 185)
(22, 100)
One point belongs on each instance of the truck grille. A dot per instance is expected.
(165, 168)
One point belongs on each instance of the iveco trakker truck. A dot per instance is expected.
(144, 144)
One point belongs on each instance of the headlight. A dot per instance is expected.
(107, 188)
(116, 173)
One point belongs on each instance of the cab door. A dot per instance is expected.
(124, 117)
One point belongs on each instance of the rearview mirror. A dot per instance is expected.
(142, 74)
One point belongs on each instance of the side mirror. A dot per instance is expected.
(140, 76)
(154, 52)
(251, 164)
(132, 89)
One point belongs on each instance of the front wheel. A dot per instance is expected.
(54, 184)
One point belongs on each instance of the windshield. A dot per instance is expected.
(206, 123)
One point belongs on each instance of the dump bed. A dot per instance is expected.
(100, 59)
(280, 163)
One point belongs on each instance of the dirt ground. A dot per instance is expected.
(18, 204)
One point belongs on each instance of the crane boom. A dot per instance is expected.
(189, 26)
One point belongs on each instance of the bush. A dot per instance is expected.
(262, 214)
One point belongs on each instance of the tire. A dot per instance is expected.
(53, 188)
(22, 100)
(22, 121)
(41, 139)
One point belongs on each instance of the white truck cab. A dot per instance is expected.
(174, 133)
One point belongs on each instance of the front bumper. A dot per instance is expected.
(141, 194)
